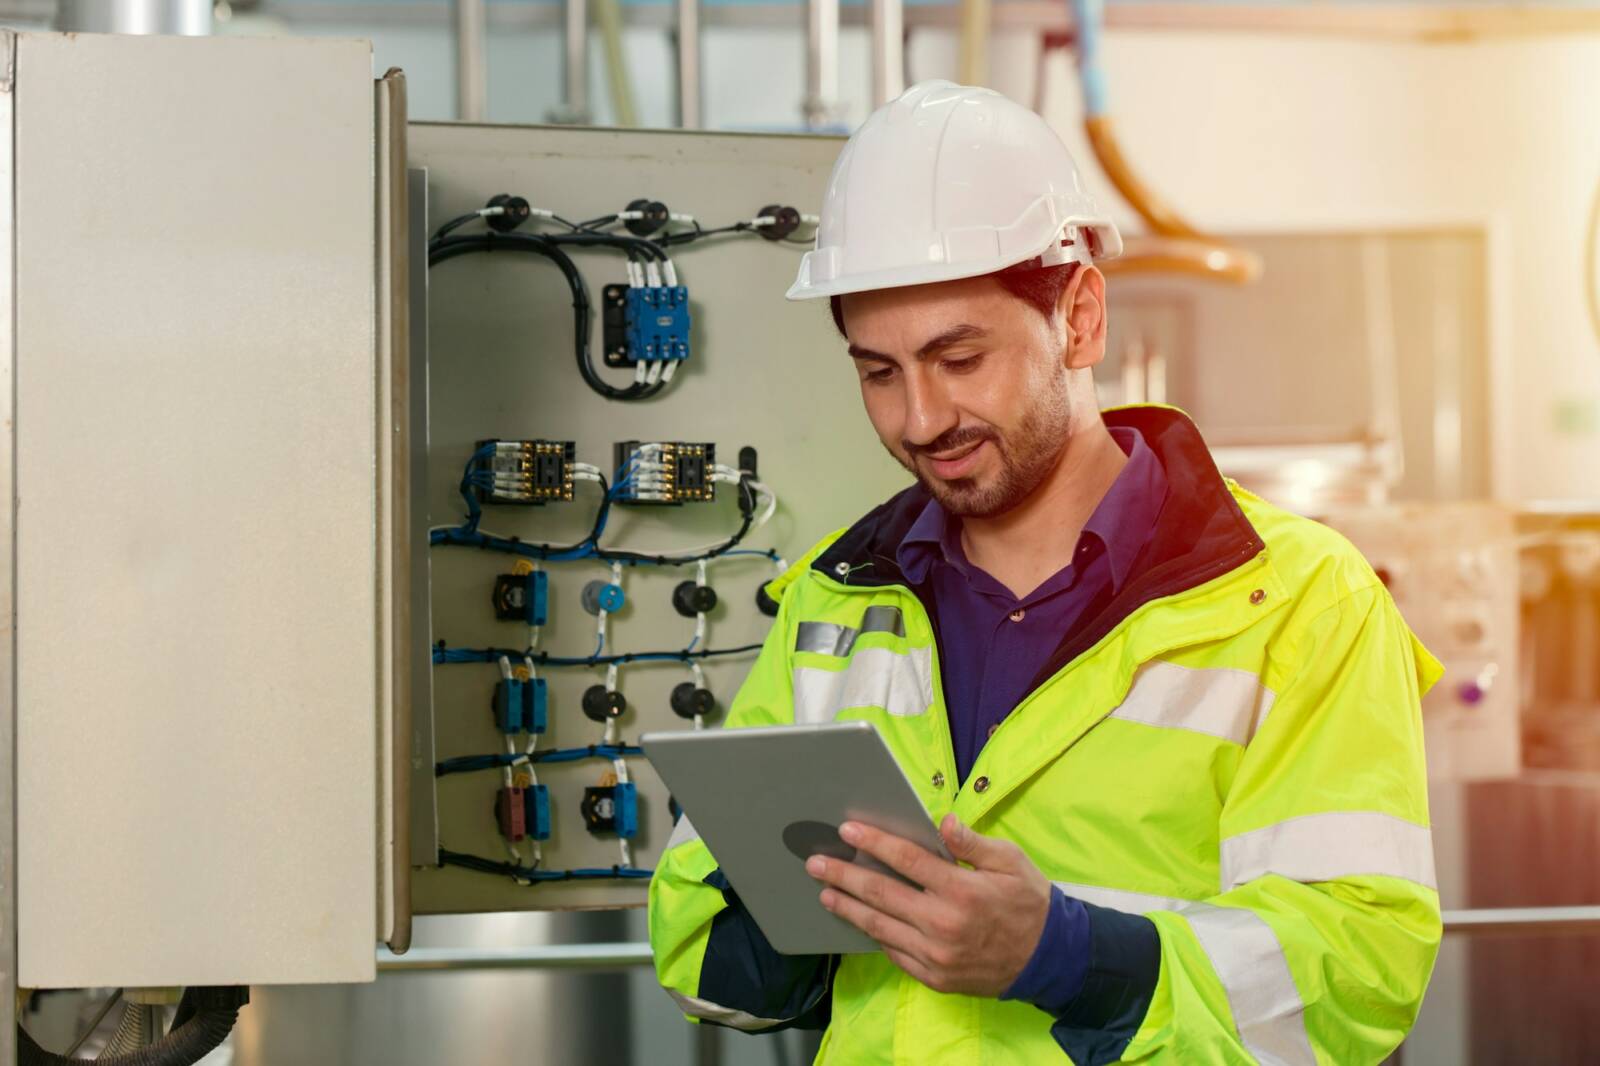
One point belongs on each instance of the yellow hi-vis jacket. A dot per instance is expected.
(1225, 765)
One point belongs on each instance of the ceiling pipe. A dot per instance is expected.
(182, 18)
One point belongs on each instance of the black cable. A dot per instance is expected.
(446, 248)
(668, 240)
(747, 511)
(455, 223)
(631, 245)
(205, 1018)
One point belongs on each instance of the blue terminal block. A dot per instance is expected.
(535, 705)
(627, 809)
(536, 598)
(657, 322)
(508, 706)
(521, 706)
(536, 811)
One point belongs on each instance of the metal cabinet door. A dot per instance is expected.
(198, 573)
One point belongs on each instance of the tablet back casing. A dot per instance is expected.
(765, 799)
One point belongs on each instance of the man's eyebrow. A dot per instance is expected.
(949, 338)
(858, 352)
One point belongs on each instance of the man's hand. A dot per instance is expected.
(968, 931)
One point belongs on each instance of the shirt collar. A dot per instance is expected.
(1121, 523)
(1128, 511)
(923, 544)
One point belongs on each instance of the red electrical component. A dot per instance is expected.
(510, 813)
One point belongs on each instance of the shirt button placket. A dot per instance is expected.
(1018, 615)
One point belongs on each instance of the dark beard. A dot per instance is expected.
(1026, 458)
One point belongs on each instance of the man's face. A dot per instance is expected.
(969, 387)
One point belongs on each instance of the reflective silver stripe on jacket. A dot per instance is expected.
(1218, 701)
(901, 683)
(1120, 900)
(1325, 847)
(828, 638)
(735, 1019)
(1267, 1009)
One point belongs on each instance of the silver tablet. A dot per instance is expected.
(766, 799)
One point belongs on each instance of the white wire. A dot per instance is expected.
(670, 272)
(672, 369)
(699, 616)
(655, 371)
(621, 769)
(652, 274)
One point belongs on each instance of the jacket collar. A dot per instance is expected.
(1200, 534)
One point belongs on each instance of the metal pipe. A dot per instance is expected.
(688, 33)
(182, 18)
(608, 13)
(1523, 921)
(575, 101)
(888, 51)
(472, 76)
(822, 62)
(547, 957)
(974, 54)
(1518, 921)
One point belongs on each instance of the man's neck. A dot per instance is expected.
(1022, 548)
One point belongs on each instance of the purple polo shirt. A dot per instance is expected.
(992, 645)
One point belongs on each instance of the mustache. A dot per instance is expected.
(959, 437)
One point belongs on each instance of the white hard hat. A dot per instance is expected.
(949, 182)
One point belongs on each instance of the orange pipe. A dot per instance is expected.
(1181, 247)
(1172, 255)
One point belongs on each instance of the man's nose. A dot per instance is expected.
(929, 411)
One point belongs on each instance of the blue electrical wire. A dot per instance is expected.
(466, 764)
(443, 656)
(532, 873)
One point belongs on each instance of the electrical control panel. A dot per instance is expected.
(564, 632)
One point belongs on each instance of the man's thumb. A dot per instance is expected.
(965, 844)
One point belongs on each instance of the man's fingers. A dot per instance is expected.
(902, 856)
(913, 966)
(887, 930)
(972, 847)
(879, 891)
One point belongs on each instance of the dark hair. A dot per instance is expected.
(1039, 287)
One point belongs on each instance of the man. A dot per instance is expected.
(1172, 733)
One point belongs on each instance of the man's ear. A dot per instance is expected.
(1083, 306)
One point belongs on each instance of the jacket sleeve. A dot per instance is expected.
(1320, 942)
(710, 955)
